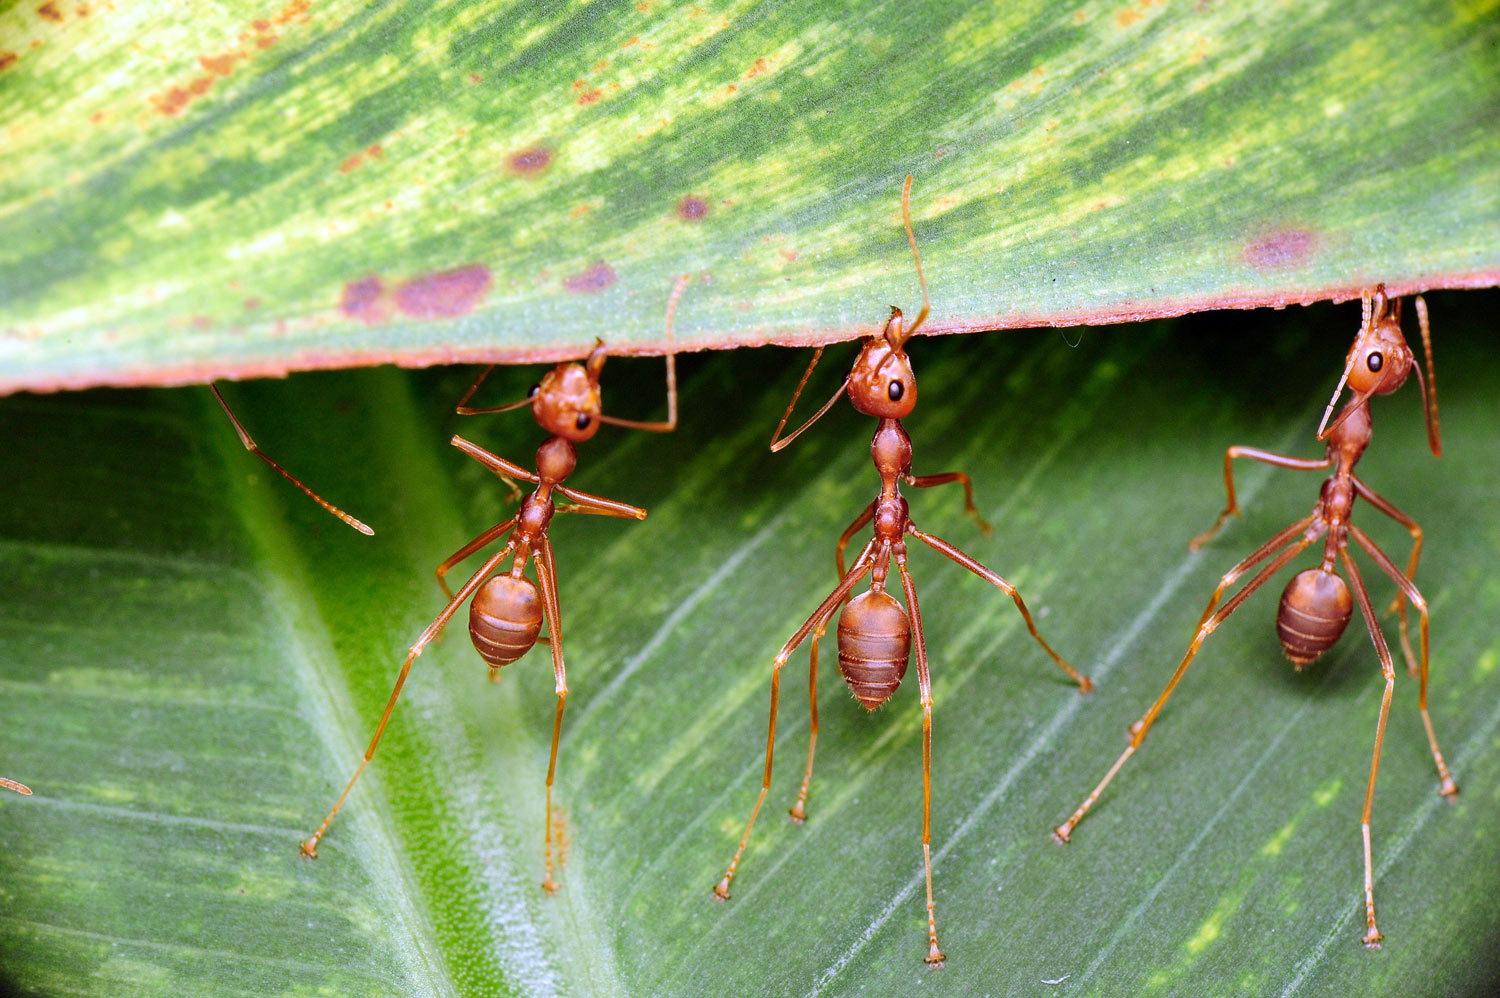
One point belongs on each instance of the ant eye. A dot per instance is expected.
(583, 421)
(1375, 361)
(534, 389)
(896, 391)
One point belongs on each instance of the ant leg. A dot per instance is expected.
(468, 549)
(928, 481)
(861, 566)
(799, 809)
(1448, 788)
(310, 847)
(19, 788)
(1062, 833)
(598, 505)
(849, 532)
(924, 685)
(943, 547)
(1372, 934)
(1254, 454)
(494, 462)
(1398, 605)
(1251, 560)
(252, 447)
(546, 574)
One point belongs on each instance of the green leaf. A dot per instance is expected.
(194, 657)
(249, 191)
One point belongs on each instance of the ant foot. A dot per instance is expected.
(721, 889)
(935, 957)
(1062, 835)
(549, 885)
(1449, 788)
(308, 849)
(1086, 685)
(1372, 938)
(798, 813)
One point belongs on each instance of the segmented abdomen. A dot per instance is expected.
(1315, 609)
(505, 619)
(874, 644)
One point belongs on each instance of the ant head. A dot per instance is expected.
(882, 383)
(566, 403)
(1380, 361)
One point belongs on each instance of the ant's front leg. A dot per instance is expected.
(1232, 507)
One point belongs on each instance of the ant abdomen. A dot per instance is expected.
(1315, 609)
(505, 619)
(874, 645)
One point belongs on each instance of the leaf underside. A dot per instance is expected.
(194, 656)
(258, 189)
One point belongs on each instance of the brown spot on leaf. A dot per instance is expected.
(364, 300)
(265, 41)
(761, 65)
(220, 64)
(692, 208)
(590, 96)
(261, 25)
(1127, 17)
(172, 102)
(598, 277)
(630, 41)
(49, 12)
(1282, 248)
(530, 161)
(201, 85)
(7, 60)
(446, 293)
(293, 10)
(373, 152)
(251, 304)
(475, 78)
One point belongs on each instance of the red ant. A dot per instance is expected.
(875, 635)
(253, 448)
(1316, 605)
(506, 615)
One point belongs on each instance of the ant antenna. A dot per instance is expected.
(922, 278)
(252, 447)
(1370, 310)
(19, 788)
(464, 410)
(778, 444)
(1429, 403)
(671, 423)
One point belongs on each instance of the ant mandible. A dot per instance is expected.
(875, 635)
(1316, 605)
(506, 615)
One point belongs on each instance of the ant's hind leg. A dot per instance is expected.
(924, 686)
(1388, 670)
(857, 572)
(1063, 833)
